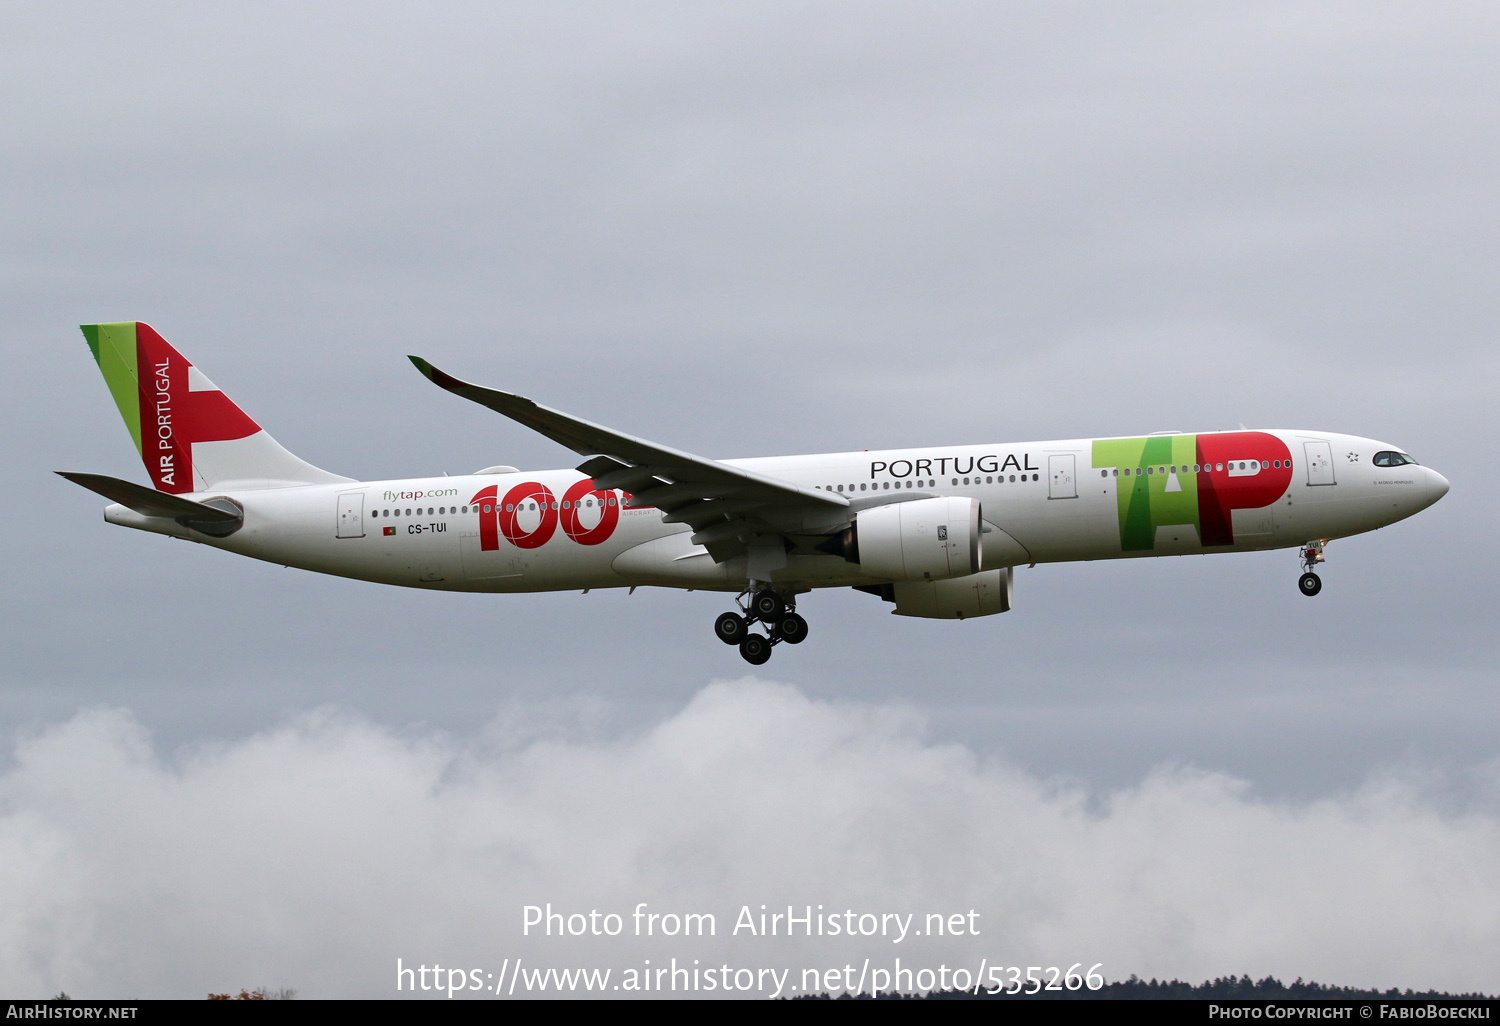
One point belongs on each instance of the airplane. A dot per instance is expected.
(936, 531)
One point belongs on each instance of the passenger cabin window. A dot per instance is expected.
(1392, 459)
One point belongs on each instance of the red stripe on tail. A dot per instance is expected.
(173, 417)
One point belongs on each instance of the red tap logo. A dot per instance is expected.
(1220, 493)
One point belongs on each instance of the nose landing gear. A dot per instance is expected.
(1310, 583)
(767, 607)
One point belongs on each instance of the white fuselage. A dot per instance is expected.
(1041, 502)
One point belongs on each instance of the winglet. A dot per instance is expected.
(427, 369)
(475, 393)
(439, 378)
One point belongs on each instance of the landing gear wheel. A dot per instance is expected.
(1310, 583)
(791, 629)
(731, 628)
(767, 606)
(756, 648)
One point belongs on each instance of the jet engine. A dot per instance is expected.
(958, 598)
(921, 540)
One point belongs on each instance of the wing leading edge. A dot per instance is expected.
(727, 507)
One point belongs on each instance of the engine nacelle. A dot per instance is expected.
(921, 540)
(958, 598)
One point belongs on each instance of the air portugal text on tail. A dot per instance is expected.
(934, 530)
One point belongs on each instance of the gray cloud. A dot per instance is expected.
(315, 853)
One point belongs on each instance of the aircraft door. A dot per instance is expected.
(1319, 463)
(351, 522)
(1062, 477)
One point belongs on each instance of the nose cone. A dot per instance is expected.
(1437, 485)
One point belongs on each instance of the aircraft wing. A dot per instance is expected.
(724, 505)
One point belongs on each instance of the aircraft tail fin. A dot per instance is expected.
(190, 435)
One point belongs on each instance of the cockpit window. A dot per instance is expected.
(1392, 459)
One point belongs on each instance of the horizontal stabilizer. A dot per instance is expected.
(149, 502)
(686, 488)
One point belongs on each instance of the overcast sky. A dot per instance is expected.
(749, 230)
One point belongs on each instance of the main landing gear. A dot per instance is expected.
(764, 607)
(1310, 583)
